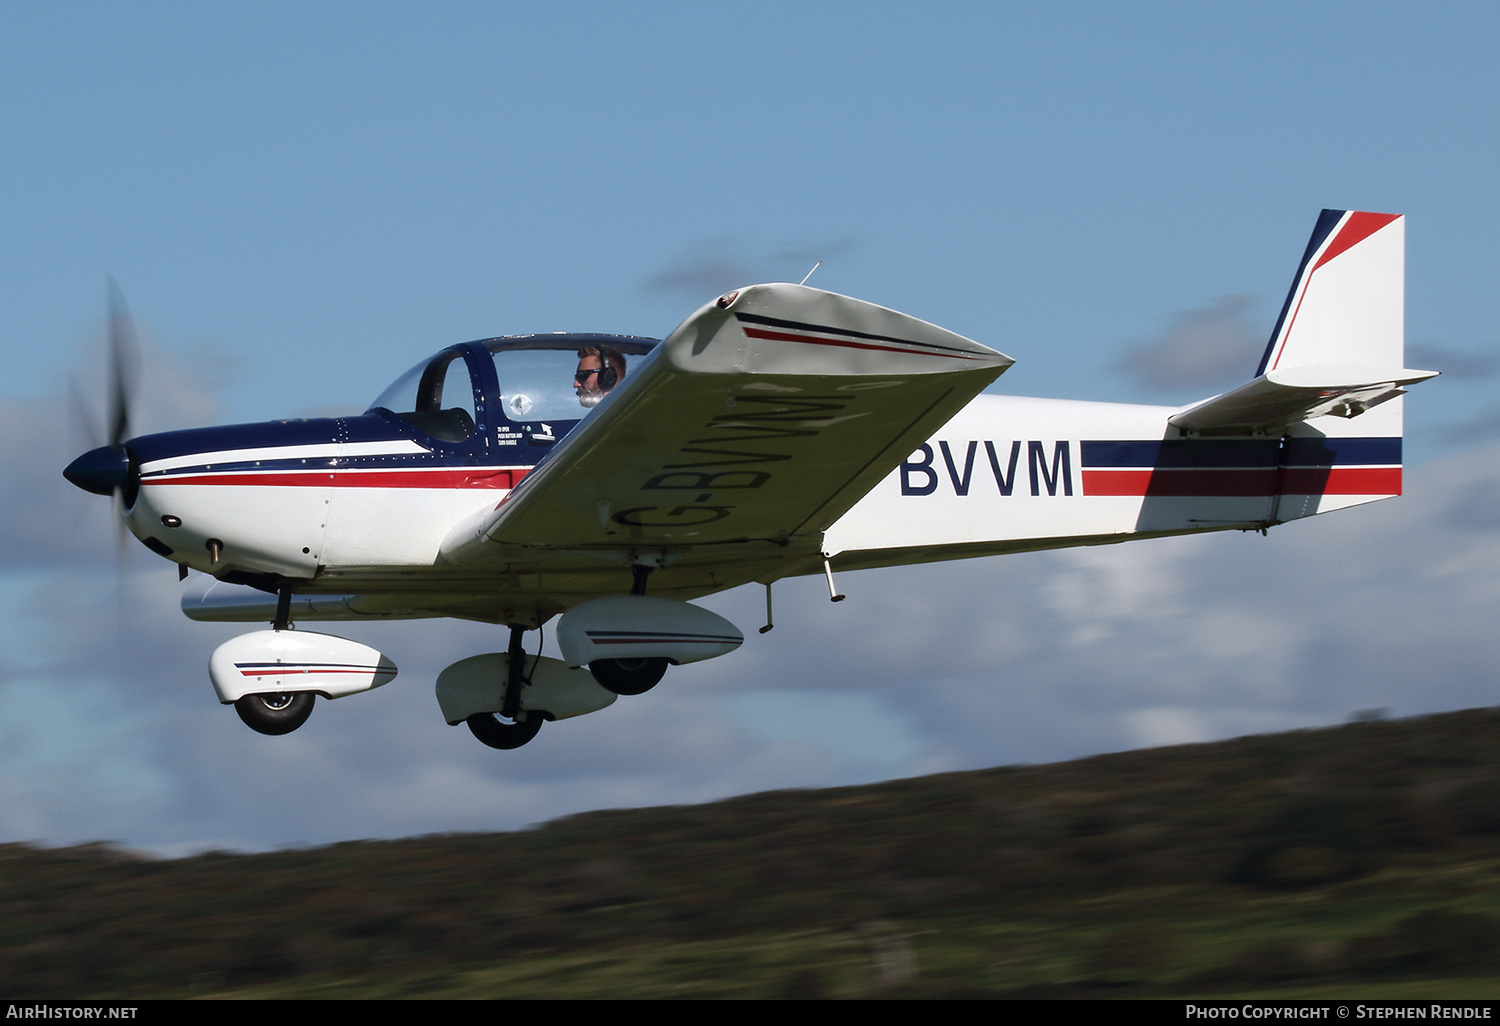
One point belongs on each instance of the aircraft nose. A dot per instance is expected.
(102, 471)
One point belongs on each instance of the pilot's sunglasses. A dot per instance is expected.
(583, 375)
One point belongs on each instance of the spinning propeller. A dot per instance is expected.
(109, 469)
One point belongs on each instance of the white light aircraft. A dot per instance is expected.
(778, 431)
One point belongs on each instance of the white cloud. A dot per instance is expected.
(1463, 364)
(713, 266)
(1167, 725)
(1210, 349)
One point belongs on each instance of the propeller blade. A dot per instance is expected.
(81, 418)
(124, 358)
(122, 550)
(107, 469)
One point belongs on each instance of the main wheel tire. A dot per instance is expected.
(628, 676)
(495, 732)
(275, 714)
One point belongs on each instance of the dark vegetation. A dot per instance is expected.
(1362, 860)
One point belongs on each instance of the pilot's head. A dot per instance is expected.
(599, 370)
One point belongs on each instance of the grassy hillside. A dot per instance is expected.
(1360, 860)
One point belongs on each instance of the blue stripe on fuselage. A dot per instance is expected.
(378, 426)
(1188, 453)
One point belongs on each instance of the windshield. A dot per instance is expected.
(435, 396)
(561, 377)
(547, 383)
(538, 385)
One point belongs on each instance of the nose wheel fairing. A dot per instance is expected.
(293, 662)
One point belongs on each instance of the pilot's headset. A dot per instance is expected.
(608, 376)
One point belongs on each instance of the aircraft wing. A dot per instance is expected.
(763, 417)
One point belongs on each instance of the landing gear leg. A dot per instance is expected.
(516, 675)
(492, 730)
(283, 608)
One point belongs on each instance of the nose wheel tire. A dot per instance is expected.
(628, 676)
(495, 732)
(275, 714)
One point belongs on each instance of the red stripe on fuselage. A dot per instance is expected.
(486, 477)
(1231, 483)
(786, 336)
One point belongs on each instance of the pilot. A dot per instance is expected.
(599, 370)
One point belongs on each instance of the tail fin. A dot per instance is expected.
(1347, 303)
(1339, 345)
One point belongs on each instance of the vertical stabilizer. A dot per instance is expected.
(1347, 303)
(1339, 345)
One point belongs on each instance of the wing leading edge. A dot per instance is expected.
(762, 418)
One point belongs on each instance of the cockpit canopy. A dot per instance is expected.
(447, 396)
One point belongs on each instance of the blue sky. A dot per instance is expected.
(300, 200)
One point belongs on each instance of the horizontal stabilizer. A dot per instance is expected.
(1294, 394)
